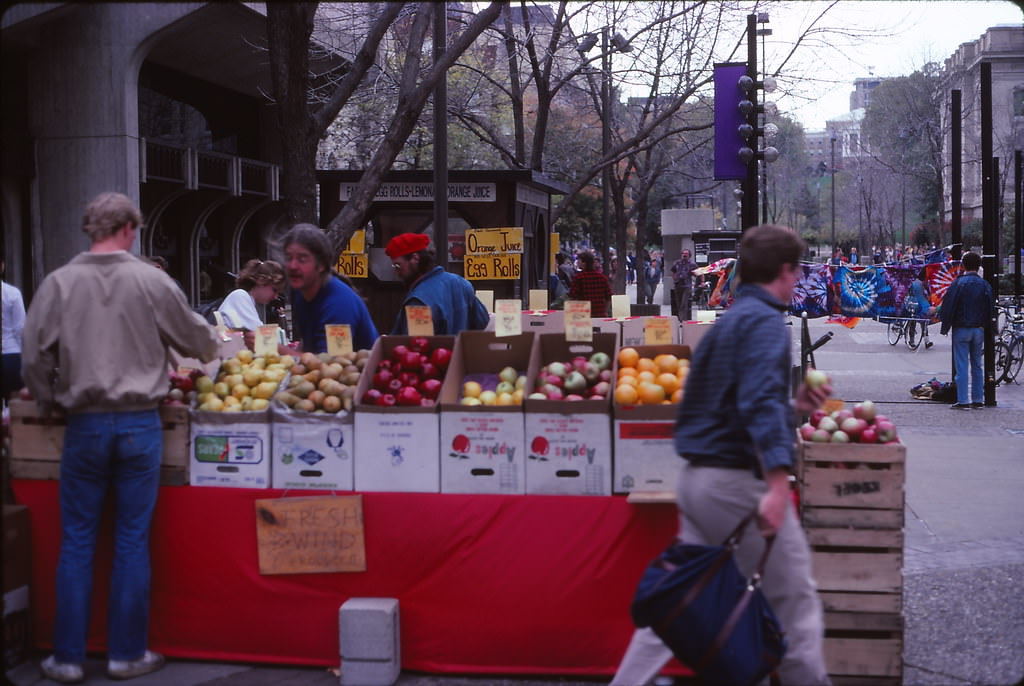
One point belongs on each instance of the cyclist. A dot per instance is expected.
(919, 294)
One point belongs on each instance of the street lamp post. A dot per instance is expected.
(833, 189)
(606, 145)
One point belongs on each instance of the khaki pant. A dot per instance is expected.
(712, 501)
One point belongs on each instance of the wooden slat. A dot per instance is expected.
(826, 486)
(853, 452)
(857, 538)
(651, 497)
(873, 572)
(49, 470)
(839, 601)
(864, 657)
(833, 517)
(840, 680)
(864, 621)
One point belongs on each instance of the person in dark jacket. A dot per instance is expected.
(966, 309)
(453, 304)
(590, 284)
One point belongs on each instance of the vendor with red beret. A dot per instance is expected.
(452, 300)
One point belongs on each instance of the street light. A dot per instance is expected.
(833, 184)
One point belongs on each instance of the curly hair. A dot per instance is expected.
(260, 273)
(108, 212)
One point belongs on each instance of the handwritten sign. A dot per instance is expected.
(420, 320)
(506, 266)
(508, 319)
(657, 331)
(266, 340)
(620, 306)
(339, 339)
(357, 243)
(554, 247)
(310, 535)
(578, 322)
(353, 266)
(487, 298)
(492, 241)
(538, 299)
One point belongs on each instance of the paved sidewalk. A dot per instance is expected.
(964, 531)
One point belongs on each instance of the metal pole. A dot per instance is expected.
(748, 203)
(441, 139)
(956, 117)
(606, 144)
(833, 189)
(988, 229)
(1018, 209)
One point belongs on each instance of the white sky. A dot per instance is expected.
(905, 35)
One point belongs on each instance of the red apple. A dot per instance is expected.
(841, 416)
(865, 410)
(430, 388)
(821, 436)
(574, 396)
(552, 392)
(601, 389)
(408, 397)
(828, 424)
(869, 435)
(399, 352)
(806, 431)
(382, 378)
(816, 417)
(386, 400)
(420, 344)
(428, 402)
(409, 378)
(394, 386)
(579, 363)
(429, 370)
(605, 375)
(441, 357)
(853, 427)
(372, 396)
(886, 431)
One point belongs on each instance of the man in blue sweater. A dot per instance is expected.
(319, 296)
(736, 433)
(967, 308)
(452, 300)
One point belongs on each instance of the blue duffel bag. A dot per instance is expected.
(714, 620)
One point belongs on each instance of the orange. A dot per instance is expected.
(677, 396)
(667, 363)
(627, 371)
(628, 357)
(669, 382)
(626, 394)
(647, 377)
(628, 381)
(646, 364)
(651, 394)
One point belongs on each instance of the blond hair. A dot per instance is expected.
(107, 213)
(260, 273)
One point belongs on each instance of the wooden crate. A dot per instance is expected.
(37, 443)
(852, 509)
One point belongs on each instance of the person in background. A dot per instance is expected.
(259, 283)
(592, 285)
(966, 309)
(453, 304)
(319, 296)
(161, 263)
(95, 345)
(652, 277)
(566, 269)
(837, 257)
(682, 280)
(738, 458)
(919, 293)
(13, 323)
(630, 269)
(854, 256)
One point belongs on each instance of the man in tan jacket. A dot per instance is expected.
(95, 345)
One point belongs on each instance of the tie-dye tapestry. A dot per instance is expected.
(864, 292)
(725, 290)
(940, 276)
(813, 292)
(899, 279)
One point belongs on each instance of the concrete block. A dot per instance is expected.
(369, 672)
(369, 630)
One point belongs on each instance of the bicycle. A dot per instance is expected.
(1007, 308)
(906, 327)
(1009, 350)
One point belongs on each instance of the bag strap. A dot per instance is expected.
(729, 546)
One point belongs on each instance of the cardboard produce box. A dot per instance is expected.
(692, 332)
(630, 330)
(231, 449)
(544, 321)
(645, 454)
(568, 443)
(483, 447)
(312, 451)
(398, 446)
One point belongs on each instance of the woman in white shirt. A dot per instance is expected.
(259, 282)
(13, 323)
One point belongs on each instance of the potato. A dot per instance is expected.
(332, 403)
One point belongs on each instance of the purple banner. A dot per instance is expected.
(727, 122)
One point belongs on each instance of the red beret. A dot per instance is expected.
(406, 243)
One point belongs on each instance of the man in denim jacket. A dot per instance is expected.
(967, 308)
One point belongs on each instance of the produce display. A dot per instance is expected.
(580, 378)
(182, 389)
(650, 381)
(504, 388)
(323, 383)
(410, 377)
(245, 383)
(862, 424)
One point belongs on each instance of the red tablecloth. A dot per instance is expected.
(486, 584)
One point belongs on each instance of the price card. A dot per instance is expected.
(266, 340)
(657, 331)
(487, 298)
(339, 339)
(620, 306)
(508, 319)
(538, 299)
(421, 322)
(578, 323)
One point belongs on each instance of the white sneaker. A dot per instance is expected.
(62, 672)
(121, 669)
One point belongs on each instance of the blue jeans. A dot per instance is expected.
(967, 346)
(104, 449)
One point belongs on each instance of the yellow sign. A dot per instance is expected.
(578, 323)
(657, 331)
(508, 318)
(353, 266)
(496, 266)
(420, 320)
(538, 299)
(339, 339)
(266, 340)
(487, 298)
(555, 247)
(491, 241)
(356, 243)
(310, 535)
(620, 306)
